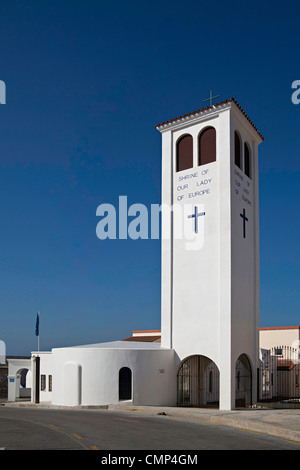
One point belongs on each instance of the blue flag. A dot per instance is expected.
(37, 325)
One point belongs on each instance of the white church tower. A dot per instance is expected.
(210, 254)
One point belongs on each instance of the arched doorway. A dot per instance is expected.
(22, 385)
(125, 384)
(243, 382)
(198, 382)
(19, 377)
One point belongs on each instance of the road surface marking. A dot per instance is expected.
(77, 436)
(247, 430)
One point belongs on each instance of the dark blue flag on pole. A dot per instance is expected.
(37, 325)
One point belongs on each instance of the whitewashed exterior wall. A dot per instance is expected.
(90, 375)
(210, 296)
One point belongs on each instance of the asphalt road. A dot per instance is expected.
(104, 430)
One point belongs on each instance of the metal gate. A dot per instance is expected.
(198, 383)
(279, 374)
(243, 382)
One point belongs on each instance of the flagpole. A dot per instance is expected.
(37, 329)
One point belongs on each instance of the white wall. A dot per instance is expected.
(245, 252)
(90, 375)
(273, 337)
(190, 277)
(210, 296)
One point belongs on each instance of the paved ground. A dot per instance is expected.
(135, 429)
(284, 423)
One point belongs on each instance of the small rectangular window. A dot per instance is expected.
(50, 383)
(43, 382)
(278, 351)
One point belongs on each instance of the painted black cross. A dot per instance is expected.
(243, 215)
(196, 215)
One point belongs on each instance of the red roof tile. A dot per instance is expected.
(285, 364)
(280, 328)
(143, 339)
(146, 331)
(211, 107)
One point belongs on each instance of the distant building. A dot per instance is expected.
(152, 336)
(275, 337)
(280, 363)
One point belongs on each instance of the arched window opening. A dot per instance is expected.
(237, 149)
(207, 146)
(125, 384)
(184, 153)
(247, 159)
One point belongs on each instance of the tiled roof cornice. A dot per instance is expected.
(203, 110)
(280, 328)
(143, 339)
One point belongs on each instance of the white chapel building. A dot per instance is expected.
(209, 349)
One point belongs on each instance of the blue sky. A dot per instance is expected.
(86, 83)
